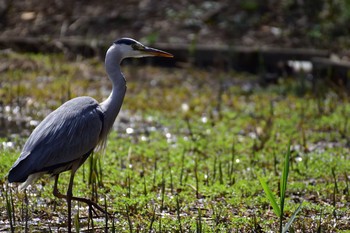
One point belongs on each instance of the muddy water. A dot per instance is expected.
(17, 125)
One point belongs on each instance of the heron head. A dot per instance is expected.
(132, 48)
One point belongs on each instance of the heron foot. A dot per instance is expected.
(92, 205)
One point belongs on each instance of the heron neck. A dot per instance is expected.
(111, 106)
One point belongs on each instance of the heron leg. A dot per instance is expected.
(69, 198)
(55, 192)
(90, 203)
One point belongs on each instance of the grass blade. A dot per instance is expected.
(129, 220)
(9, 208)
(270, 197)
(178, 213)
(76, 222)
(283, 185)
(284, 177)
(291, 220)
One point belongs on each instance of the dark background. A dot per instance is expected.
(322, 24)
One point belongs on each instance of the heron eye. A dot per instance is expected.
(136, 46)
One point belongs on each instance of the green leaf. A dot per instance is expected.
(270, 197)
(291, 220)
(284, 179)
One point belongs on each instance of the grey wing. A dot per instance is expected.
(67, 134)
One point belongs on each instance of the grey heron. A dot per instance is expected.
(68, 135)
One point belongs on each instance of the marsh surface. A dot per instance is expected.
(185, 152)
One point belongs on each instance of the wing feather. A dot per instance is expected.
(65, 135)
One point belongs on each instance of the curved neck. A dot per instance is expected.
(111, 106)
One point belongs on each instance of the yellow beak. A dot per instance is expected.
(156, 52)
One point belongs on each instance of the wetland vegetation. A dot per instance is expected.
(186, 152)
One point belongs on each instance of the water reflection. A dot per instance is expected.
(129, 130)
(8, 145)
